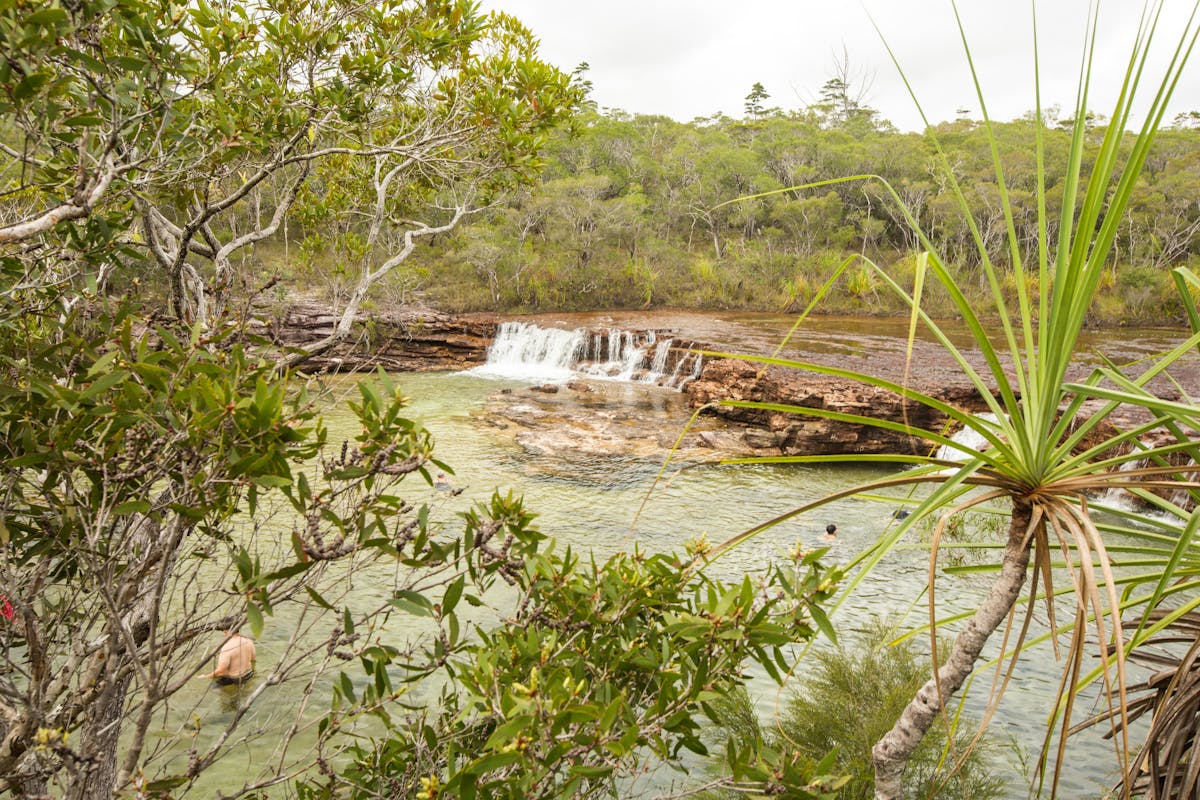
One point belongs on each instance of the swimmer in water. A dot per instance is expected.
(235, 661)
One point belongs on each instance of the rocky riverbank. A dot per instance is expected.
(593, 416)
(405, 340)
(785, 433)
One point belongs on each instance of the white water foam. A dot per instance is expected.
(551, 355)
(529, 353)
(1119, 499)
(968, 439)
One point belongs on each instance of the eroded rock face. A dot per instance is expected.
(408, 340)
(591, 418)
(798, 434)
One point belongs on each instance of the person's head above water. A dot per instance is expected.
(830, 529)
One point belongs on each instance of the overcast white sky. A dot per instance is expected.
(690, 58)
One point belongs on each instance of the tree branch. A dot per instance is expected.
(78, 208)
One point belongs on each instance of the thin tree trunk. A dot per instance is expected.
(103, 732)
(23, 782)
(891, 753)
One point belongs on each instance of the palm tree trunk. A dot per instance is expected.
(891, 753)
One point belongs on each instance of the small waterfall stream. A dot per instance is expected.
(969, 439)
(553, 355)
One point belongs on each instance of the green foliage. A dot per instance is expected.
(1048, 443)
(601, 671)
(617, 187)
(754, 100)
(141, 468)
(847, 698)
(211, 126)
(158, 426)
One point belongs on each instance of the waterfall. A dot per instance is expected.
(631, 357)
(1118, 498)
(676, 379)
(1115, 498)
(552, 355)
(527, 352)
(659, 365)
(968, 438)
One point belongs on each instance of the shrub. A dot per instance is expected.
(847, 699)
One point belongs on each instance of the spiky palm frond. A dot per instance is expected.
(1049, 445)
(1168, 766)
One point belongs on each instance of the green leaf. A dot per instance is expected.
(83, 121)
(318, 599)
(413, 603)
(30, 85)
(822, 622)
(46, 17)
(493, 762)
(507, 731)
(286, 572)
(131, 507)
(255, 618)
(346, 685)
(166, 784)
(271, 481)
(453, 593)
(609, 717)
(103, 384)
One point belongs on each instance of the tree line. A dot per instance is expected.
(628, 213)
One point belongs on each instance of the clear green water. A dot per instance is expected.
(590, 503)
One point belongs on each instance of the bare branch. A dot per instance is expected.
(78, 208)
(368, 279)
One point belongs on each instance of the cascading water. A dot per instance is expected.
(1117, 498)
(552, 355)
(659, 364)
(968, 439)
(528, 352)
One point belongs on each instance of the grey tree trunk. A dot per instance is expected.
(102, 732)
(891, 753)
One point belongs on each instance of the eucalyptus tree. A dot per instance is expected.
(145, 454)
(211, 121)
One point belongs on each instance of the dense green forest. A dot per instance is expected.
(625, 215)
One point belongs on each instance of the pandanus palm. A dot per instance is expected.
(1049, 445)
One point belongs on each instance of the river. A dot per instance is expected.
(607, 502)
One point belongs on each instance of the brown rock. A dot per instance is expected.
(796, 433)
(403, 340)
